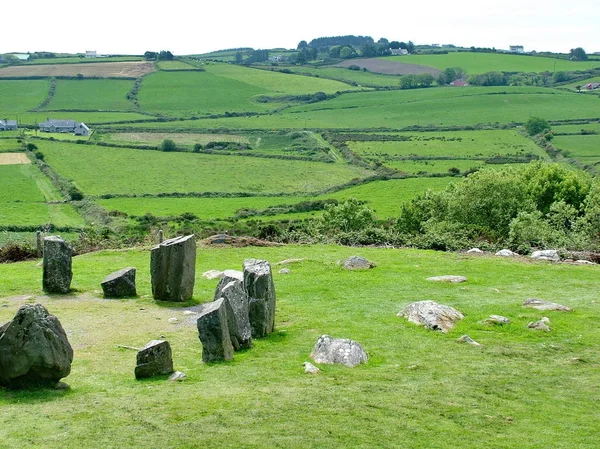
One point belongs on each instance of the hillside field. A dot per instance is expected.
(92, 95)
(128, 69)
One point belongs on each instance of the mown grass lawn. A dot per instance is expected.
(420, 389)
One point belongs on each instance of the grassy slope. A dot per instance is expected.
(99, 170)
(9, 145)
(92, 94)
(579, 146)
(420, 389)
(20, 96)
(475, 63)
(350, 76)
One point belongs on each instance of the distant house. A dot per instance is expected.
(517, 49)
(90, 54)
(592, 86)
(399, 51)
(8, 125)
(459, 83)
(64, 126)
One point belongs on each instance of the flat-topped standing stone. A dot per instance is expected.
(120, 284)
(338, 350)
(34, 349)
(214, 332)
(228, 276)
(259, 287)
(238, 321)
(154, 359)
(57, 265)
(431, 315)
(172, 267)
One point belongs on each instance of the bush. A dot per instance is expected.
(168, 145)
(31, 147)
(198, 147)
(39, 155)
(536, 125)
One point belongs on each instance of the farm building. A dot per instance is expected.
(517, 49)
(64, 126)
(7, 125)
(90, 54)
(592, 86)
(399, 51)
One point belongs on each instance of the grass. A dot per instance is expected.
(434, 166)
(9, 145)
(92, 94)
(420, 389)
(475, 63)
(349, 76)
(578, 146)
(181, 139)
(576, 128)
(174, 65)
(20, 96)
(90, 118)
(101, 170)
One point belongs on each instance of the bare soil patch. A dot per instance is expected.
(13, 159)
(98, 69)
(376, 65)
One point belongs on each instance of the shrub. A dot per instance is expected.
(536, 125)
(168, 145)
(31, 147)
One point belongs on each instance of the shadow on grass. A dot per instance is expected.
(33, 394)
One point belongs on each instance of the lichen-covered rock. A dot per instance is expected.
(214, 332)
(120, 284)
(259, 287)
(448, 278)
(541, 325)
(227, 277)
(57, 267)
(548, 254)
(468, 340)
(34, 349)
(497, 320)
(540, 304)
(172, 267)
(238, 321)
(338, 350)
(309, 368)
(431, 315)
(356, 263)
(154, 359)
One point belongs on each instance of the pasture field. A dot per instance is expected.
(92, 94)
(9, 145)
(578, 146)
(18, 96)
(420, 166)
(419, 389)
(78, 60)
(583, 83)
(181, 139)
(102, 170)
(348, 76)
(89, 118)
(387, 66)
(576, 129)
(174, 65)
(132, 69)
(14, 159)
(475, 63)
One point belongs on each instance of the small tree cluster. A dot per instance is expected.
(416, 81)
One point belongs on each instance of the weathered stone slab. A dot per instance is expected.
(540, 304)
(227, 277)
(431, 315)
(506, 253)
(541, 325)
(58, 271)
(356, 263)
(172, 267)
(238, 320)
(497, 320)
(309, 368)
(154, 359)
(259, 287)
(448, 278)
(120, 284)
(34, 349)
(474, 251)
(214, 332)
(548, 254)
(338, 350)
(468, 340)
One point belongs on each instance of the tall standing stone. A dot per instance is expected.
(259, 287)
(238, 321)
(227, 277)
(57, 265)
(173, 269)
(214, 332)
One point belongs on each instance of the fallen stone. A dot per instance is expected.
(154, 359)
(238, 320)
(259, 287)
(497, 320)
(448, 278)
(338, 350)
(212, 274)
(288, 261)
(548, 254)
(228, 276)
(540, 304)
(356, 263)
(120, 284)
(177, 376)
(431, 315)
(541, 325)
(309, 368)
(57, 269)
(214, 332)
(583, 262)
(172, 267)
(284, 271)
(506, 253)
(468, 340)
(34, 349)
(173, 320)
(474, 251)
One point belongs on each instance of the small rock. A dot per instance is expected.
(448, 278)
(474, 251)
(431, 315)
(412, 366)
(173, 320)
(540, 325)
(212, 274)
(309, 368)
(545, 320)
(468, 340)
(356, 263)
(284, 271)
(338, 350)
(177, 376)
(548, 254)
(497, 320)
(154, 359)
(583, 262)
(540, 304)
(506, 253)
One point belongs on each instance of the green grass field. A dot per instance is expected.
(20, 96)
(420, 389)
(90, 118)
(434, 166)
(475, 63)
(9, 145)
(174, 65)
(578, 146)
(576, 129)
(92, 95)
(101, 170)
(349, 76)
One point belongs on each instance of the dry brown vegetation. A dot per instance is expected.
(386, 67)
(13, 159)
(103, 70)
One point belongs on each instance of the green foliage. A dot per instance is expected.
(351, 215)
(578, 54)
(416, 81)
(536, 125)
(168, 145)
(450, 74)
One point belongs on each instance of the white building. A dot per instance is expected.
(517, 49)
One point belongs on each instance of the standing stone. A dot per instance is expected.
(214, 332)
(338, 350)
(228, 276)
(160, 237)
(172, 267)
(120, 284)
(259, 287)
(57, 265)
(238, 321)
(39, 243)
(154, 359)
(34, 349)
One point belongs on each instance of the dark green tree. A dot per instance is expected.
(578, 54)
(168, 145)
(536, 125)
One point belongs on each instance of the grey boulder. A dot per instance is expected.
(154, 359)
(238, 321)
(548, 254)
(338, 350)
(228, 276)
(497, 320)
(57, 265)
(448, 278)
(356, 263)
(432, 315)
(172, 267)
(474, 251)
(259, 287)
(213, 332)
(120, 284)
(541, 325)
(506, 253)
(34, 349)
(540, 304)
